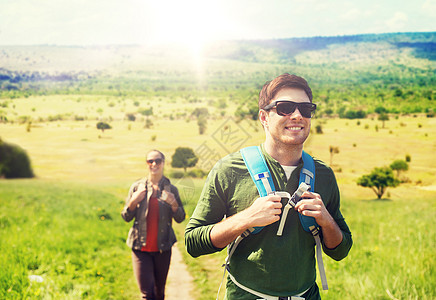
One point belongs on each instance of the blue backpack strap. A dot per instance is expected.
(258, 170)
(309, 224)
(307, 175)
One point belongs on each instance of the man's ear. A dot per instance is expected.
(263, 118)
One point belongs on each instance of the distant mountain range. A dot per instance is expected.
(423, 45)
(395, 70)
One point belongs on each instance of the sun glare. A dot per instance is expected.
(190, 23)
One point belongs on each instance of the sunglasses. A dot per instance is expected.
(158, 161)
(285, 108)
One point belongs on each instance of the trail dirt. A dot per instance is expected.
(179, 283)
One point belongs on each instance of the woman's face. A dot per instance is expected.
(155, 163)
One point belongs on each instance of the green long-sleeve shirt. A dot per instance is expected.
(274, 265)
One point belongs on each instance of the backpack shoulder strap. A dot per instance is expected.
(258, 170)
(307, 175)
(309, 224)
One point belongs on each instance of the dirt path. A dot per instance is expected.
(180, 283)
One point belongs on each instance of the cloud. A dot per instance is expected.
(429, 8)
(351, 14)
(397, 22)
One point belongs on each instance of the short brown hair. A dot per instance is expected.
(271, 88)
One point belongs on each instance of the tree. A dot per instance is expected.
(200, 111)
(251, 110)
(102, 126)
(383, 117)
(379, 180)
(184, 157)
(14, 162)
(399, 165)
(131, 117)
(202, 124)
(333, 150)
(146, 111)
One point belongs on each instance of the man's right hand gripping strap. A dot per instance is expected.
(259, 172)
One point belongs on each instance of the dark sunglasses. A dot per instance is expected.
(158, 161)
(285, 108)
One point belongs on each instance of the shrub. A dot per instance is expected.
(148, 124)
(355, 114)
(177, 174)
(103, 126)
(14, 162)
(131, 117)
(197, 173)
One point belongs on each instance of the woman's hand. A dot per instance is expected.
(170, 199)
(137, 196)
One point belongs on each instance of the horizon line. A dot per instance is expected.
(209, 42)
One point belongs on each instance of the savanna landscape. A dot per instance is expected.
(61, 233)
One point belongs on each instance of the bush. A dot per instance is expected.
(354, 114)
(197, 173)
(131, 117)
(177, 174)
(103, 126)
(14, 162)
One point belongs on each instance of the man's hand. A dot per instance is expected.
(312, 206)
(263, 211)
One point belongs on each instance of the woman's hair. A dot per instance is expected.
(271, 88)
(160, 153)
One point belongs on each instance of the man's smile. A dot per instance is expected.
(294, 128)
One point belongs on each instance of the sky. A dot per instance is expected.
(109, 22)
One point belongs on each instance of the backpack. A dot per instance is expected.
(262, 178)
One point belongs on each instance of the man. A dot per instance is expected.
(279, 266)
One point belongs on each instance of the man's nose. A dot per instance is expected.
(296, 114)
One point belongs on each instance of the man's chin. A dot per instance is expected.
(294, 141)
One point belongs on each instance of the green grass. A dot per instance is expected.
(393, 251)
(52, 226)
(71, 235)
(65, 225)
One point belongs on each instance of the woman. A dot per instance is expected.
(153, 202)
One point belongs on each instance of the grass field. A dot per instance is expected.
(65, 225)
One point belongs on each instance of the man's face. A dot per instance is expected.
(287, 130)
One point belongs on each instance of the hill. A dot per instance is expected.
(394, 71)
